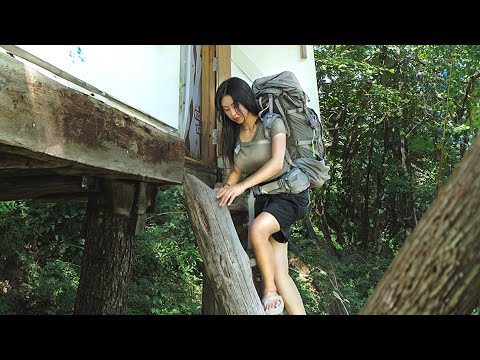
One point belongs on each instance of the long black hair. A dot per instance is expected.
(241, 93)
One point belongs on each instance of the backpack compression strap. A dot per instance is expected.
(269, 187)
(251, 216)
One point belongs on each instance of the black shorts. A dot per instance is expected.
(286, 208)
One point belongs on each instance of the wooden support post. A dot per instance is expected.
(225, 262)
(141, 208)
(109, 245)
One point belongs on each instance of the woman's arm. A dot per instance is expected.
(273, 166)
(233, 177)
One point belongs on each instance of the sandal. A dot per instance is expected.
(276, 310)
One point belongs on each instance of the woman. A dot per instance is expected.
(247, 151)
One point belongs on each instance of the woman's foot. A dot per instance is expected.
(272, 303)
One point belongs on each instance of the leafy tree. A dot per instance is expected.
(384, 108)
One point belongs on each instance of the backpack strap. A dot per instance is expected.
(315, 140)
(267, 121)
(251, 216)
(279, 107)
(269, 187)
(293, 181)
(293, 111)
(263, 109)
(267, 125)
(288, 158)
(305, 99)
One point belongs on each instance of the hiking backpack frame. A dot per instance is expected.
(282, 95)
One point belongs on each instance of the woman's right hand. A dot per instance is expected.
(227, 194)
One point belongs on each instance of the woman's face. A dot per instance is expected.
(229, 109)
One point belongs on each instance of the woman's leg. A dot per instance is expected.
(262, 227)
(284, 283)
(272, 260)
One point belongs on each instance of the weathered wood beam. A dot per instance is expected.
(225, 262)
(100, 94)
(42, 115)
(200, 170)
(208, 106)
(20, 162)
(32, 187)
(224, 54)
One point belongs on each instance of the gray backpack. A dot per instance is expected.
(281, 95)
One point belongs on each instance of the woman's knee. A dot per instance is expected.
(257, 233)
(262, 227)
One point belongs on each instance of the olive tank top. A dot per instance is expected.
(250, 156)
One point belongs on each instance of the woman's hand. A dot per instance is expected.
(227, 194)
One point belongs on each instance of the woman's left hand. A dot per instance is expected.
(227, 194)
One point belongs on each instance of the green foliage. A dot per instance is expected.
(351, 277)
(385, 108)
(167, 276)
(40, 259)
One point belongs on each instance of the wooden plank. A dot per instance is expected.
(202, 171)
(43, 116)
(208, 93)
(211, 112)
(225, 262)
(17, 188)
(224, 54)
(224, 73)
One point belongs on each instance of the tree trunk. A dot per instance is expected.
(226, 264)
(364, 234)
(209, 304)
(437, 270)
(109, 246)
(323, 225)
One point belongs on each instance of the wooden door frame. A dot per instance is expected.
(208, 106)
(211, 79)
(224, 56)
(207, 167)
